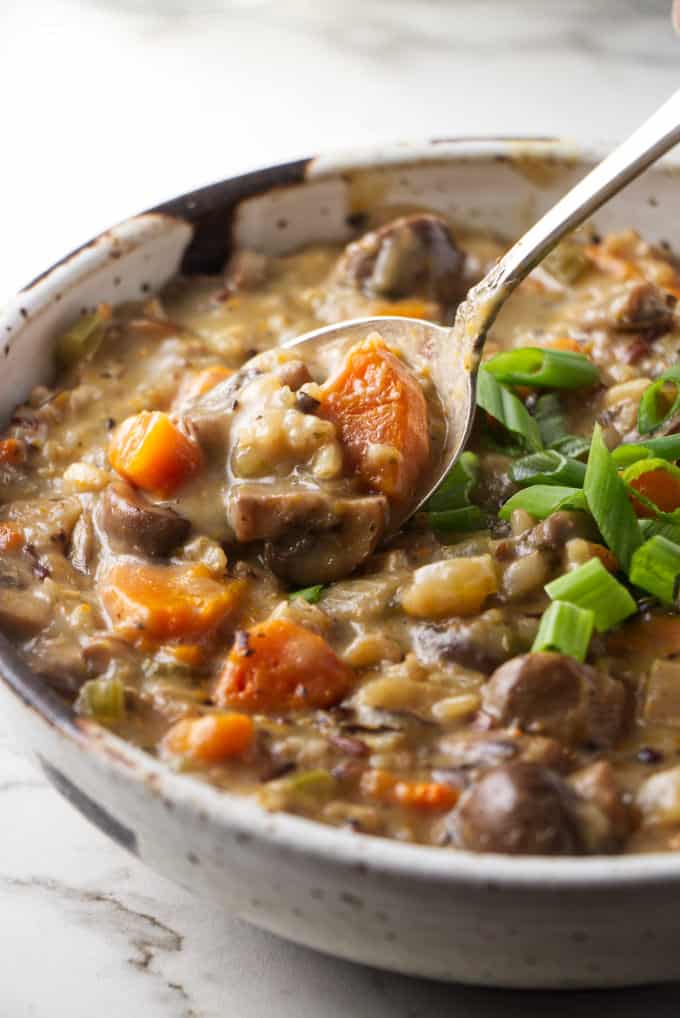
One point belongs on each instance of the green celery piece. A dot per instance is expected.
(655, 567)
(592, 587)
(102, 699)
(565, 628)
(82, 339)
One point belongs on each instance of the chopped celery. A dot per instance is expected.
(83, 338)
(102, 699)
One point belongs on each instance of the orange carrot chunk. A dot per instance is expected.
(209, 739)
(151, 451)
(202, 381)
(279, 666)
(11, 538)
(662, 487)
(152, 604)
(380, 413)
(427, 796)
(12, 451)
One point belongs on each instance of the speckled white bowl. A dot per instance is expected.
(529, 922)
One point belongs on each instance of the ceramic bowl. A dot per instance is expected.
(529, 922)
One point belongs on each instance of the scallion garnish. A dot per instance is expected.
(454, 491)
(656, 406)
(608, 501)
(592, 587)
(550, 419)
(508, 410)
(650, 528)
(573, 446)
(548, 467)
(309, 594)
(655, 567)
(545, 369)
(565, 628)
(543, 499)
(667, 447)
(469, 517)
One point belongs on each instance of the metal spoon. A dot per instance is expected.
(454, 353)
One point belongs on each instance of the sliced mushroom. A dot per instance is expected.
(413, 254)
(306, 555)
(517, 809)
(552, 694)
(132, 523)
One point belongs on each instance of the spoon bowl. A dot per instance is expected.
(428, 345)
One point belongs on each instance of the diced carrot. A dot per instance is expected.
(661, 487)
(380, 413)
(152, 604)
(190, 654)
(569, 344)
(202, 381)
(409, 307)
(278, 666)
(12, 451)
(154, 328)
(11, 538)
(427, 796)
(612, 264)
(606, 557)
(151, 451)
(210, 739)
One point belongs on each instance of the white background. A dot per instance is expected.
(108, 107)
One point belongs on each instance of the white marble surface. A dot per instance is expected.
(108, 107)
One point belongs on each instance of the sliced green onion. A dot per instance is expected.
(656, 567)
(565, 628)
(650, 528)
(547, 369)
(508, 410)
(667, 447)
(541, 500)
(83, 338)
(470, 517)
(648, 466)
(550, 419)
(102, 699)
(608, 501)
(454, 491)
(548, 467)
(573, 446)
(309, 594)
(654, 407)
(592, 587)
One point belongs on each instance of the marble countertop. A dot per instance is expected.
(112, 105)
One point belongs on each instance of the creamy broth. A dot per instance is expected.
(158, 522)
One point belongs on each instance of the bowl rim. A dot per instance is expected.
(241, 814)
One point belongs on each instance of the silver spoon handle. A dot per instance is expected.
(657, 135)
